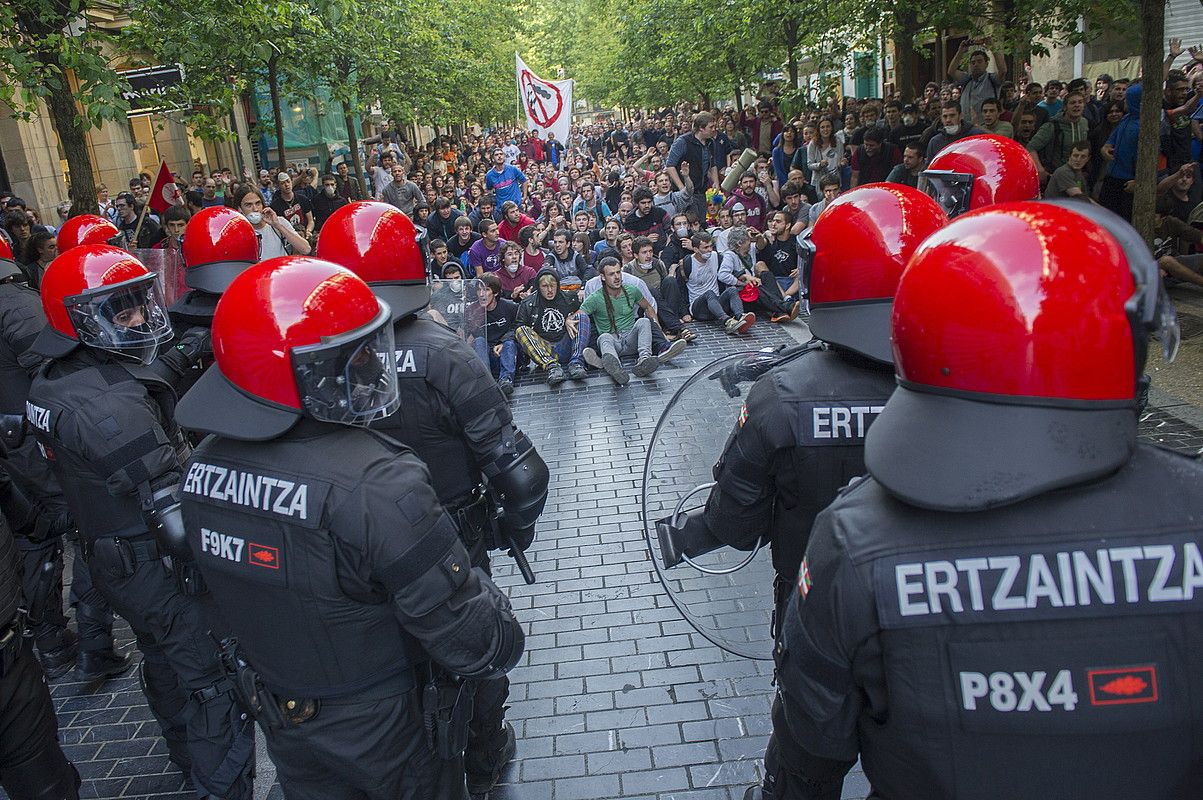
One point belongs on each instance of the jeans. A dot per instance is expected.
(718, 306)
(637, 340)
(505, 364)
(566, 351)
(772, 295)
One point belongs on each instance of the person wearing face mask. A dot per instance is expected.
(326, 201)
(515, 277)
(276, 235)
(952, 128)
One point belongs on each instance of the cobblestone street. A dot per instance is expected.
(616, 695)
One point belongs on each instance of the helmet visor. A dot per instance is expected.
(952, 190)
(350, 379)
(806, 257)
(128, 319)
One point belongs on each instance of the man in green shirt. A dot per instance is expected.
(612, 311)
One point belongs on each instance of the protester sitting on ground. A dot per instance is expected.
(449, 299)
(512, 221)
(495, 342)
(568, 264)
(707, 300)
(515, 277)
(552, 330)
(738, 268)
(439, 257)
(662, 282)
(459, 245)
(583, 243)
(1069, 179)
(830, 187)
(485, 255)
(620, 331)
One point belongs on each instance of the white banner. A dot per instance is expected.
(546, 104)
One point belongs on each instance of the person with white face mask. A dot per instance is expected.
(910, 128)
(952, 128)
(515, 276)
(326, 201)
(276, 236)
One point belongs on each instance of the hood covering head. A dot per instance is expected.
(1132, 99)
(539, 277)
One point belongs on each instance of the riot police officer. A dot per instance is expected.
(32, 765)
(1008, 606)
(85, 229)
(322, 541)
(105, 421)
(801, 431)
(41, 551)
(485, 472)
(218, 245)
(979, 171)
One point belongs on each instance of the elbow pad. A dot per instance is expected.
(519, 477)
(508, 640)
(165, 519)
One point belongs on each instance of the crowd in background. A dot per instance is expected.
(534, 224)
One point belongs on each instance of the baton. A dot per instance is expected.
(519, 557)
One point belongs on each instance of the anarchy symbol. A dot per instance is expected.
(543, 100)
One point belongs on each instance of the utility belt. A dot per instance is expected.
(129, 552)
(12, 640)
(447, 705)
(277, 710)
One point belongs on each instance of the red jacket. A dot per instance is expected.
(509, 231)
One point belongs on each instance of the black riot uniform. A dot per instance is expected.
(108, 428)
(1010, 604)
(32, 765)
(455, 418)
(21, 319)
(452, 413)
(362, 588)
(801, 439)
(360, 583)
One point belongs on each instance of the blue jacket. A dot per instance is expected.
(1125, 136)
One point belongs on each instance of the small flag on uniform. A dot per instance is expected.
(165, 194)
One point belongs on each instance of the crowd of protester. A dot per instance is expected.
(621, 240)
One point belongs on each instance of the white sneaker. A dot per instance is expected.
(675, 349)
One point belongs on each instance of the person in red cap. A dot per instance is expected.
(485, 471)
(344, 580)
(1008, 605)
(105, 422)
(801, 433)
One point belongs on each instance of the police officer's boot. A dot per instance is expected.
(97, 658)
(487, 756)
(758, 792)
(57, 651)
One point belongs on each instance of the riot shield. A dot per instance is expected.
(456, 304)
(168, 264)
(725, 594)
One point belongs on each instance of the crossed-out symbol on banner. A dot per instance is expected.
(543, 100)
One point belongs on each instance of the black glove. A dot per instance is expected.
(194, 345)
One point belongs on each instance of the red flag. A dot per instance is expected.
(165, 194)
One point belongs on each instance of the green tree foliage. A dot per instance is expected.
(42, 44)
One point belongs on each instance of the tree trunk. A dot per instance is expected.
(791, 51)
(273, 86)
(64, 115)
(65, 118)
(906, 26)
(739, 99)
(353, 143)
(1152, 37)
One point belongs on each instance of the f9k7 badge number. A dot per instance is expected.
(1018, 691)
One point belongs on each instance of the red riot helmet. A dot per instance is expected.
(1020, 334)
(294, 336)
(980, 171)
(219, 243)
(101, 296)
(379, 244)
(8, 264)
(85, 229)
(856, 251)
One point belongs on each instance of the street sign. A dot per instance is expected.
(147, 87)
